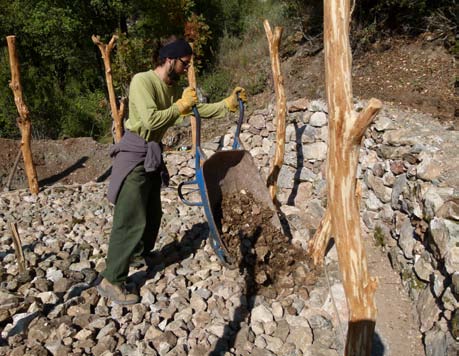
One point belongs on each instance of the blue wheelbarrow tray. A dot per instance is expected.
(224, 173)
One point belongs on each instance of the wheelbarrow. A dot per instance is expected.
(225, 172)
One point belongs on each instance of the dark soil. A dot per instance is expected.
(270, 262)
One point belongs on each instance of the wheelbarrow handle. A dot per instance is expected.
(237, 142)
(198, 153)
(182, 198)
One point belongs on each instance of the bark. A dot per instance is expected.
(18, 248)
(281, 107)
(117, 113)
(342, 219)
(318, 244)
(192, 83)
(23, 121)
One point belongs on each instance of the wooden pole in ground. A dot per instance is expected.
(18, 248)
(13, 170)
(281, 107)
(342, 219)
(192, 83)
(117, 113)
(24, 123)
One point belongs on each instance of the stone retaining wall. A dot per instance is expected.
(409, 174)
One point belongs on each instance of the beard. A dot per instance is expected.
(173, 75)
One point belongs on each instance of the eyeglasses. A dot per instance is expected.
(185, 64)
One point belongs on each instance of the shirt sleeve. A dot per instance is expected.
(216, 110)
(143, 98)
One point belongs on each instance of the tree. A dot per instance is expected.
(342, 218)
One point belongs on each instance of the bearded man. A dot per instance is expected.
(156, 102)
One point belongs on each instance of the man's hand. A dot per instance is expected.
(188, 100)
(231, 101)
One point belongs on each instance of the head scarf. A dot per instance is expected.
(176, 49)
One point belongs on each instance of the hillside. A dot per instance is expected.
(415, 74)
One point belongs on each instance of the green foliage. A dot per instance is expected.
(215, 85)
(58, 61)
(132, 55)
(89, 116)
(400, 16)
(62, 73)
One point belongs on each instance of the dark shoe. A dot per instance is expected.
(143, 260)
(116, 293)
(137, 262)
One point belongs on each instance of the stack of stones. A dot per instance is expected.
(408, 173)
(191, 305)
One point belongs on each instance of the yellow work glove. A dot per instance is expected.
(231, 101)
(187, 101)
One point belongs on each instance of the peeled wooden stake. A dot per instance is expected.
(342, 218)
(281, 107)
(117, 113)
(18, 248)
(24, 122)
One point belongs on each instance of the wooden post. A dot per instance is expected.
(192, 83)
(281, 107)
(18, 248)
(13, 170)
(342, 219)
(117, 114)
(23, 121)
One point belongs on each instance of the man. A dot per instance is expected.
(155, 103)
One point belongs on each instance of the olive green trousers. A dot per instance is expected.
(136, 222)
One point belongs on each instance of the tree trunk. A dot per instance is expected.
(117, 114)
(342, 219)
(23, 121)
(192, 83)
(281, 107)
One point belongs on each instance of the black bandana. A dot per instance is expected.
(176, 49)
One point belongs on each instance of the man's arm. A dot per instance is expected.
(216, 110)
(142, 103)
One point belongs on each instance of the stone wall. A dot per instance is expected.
(408, 171)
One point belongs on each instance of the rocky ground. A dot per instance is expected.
(191, 305)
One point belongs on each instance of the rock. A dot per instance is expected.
(438, 237)
(138, 313)
(452, 260)
(318, 119)
(257, 121)
(435, 342)
(449, 210)
(53, 274)
(48, 297)
(164, 342)
(301, 337)
(427, 309)
(384, 123)
(315, 151)
(261, 314)
(406, 240)
(298, 105)
(423, 267)
(397, 167)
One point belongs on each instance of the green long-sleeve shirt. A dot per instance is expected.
(152, 107)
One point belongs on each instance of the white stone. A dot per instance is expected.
(261, 314)
(318, 119)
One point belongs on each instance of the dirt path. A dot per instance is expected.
(396, 321)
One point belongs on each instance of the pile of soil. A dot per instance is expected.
(266, 256)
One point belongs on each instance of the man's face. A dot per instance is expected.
(178, 67)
